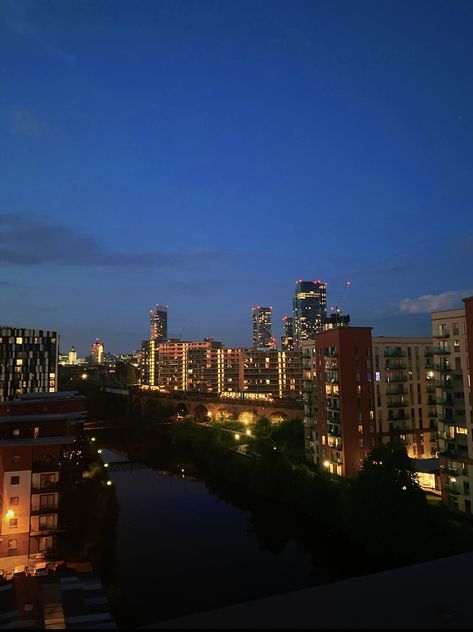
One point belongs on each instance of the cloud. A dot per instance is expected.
(434, 302)
(35, 240)
(25, 122)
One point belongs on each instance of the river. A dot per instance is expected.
(181, 547)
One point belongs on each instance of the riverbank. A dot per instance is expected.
(368, 518)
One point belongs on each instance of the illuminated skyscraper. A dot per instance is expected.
(158, 322)
(97, 351)
(309, 307)
(262, 335)
(287, 341)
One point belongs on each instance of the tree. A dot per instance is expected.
(385, 508)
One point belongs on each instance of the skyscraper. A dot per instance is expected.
(287, 340)
(97, 351)
(158, 322)
(262, 335)
(309, 307)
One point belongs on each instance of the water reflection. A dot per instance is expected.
(185, 547)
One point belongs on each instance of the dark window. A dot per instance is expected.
(14, 480)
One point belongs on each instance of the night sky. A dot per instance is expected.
(205, 155)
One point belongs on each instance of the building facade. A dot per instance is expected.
(287, 340)
(158, 323)
(36, 434)
(339, 399)
(262, 327)
(97, 351)
(209, 367)
(28, 361)
(309, 308)
(451, 378)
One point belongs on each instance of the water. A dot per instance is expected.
(181, 548)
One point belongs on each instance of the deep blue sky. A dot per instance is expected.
(208, 154)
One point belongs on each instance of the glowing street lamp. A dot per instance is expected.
(326, 464)
(237, 436)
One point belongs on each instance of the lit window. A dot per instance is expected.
(13, 523)
(14, 500)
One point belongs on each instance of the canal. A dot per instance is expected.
(183, 547)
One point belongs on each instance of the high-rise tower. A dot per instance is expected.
(97, 351)
(287, 340)
(262, 335)
(309, 307)
(158, 321)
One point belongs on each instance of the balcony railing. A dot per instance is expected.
(46, 531)
(441, 351)
(50, 487)
(399, 390)
(45, 510)
(330, 353)
(398, 403)
(395, 353)
(452, 489)
(397, 378)
(443, 368)
(444, 334)
(397, 366)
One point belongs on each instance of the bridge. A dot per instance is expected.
(203, 407)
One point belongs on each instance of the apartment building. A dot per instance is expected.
(208, 367)
(36, 435)
(452, 332)
(28, 361)
(339, 399)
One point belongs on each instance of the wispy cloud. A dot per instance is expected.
(35, 240)
(434, 302)
(24, 121)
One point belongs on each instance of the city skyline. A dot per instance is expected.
(206, 155)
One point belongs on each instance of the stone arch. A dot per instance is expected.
(150, 408)
(225, 414)
(181, 411)
(201, 413)
(278, 417)
(247, 416)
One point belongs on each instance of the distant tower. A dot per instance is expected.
(158, 323)
(72, 356)
(287, 340)
(97, 351)
(336, 319)
(309, 307)
(262, 334)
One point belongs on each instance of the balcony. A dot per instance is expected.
(45, 510)
(398, 390)
(395, 353)
(443, 368)
(441, 351)
(397, 378)
(451, 489)
(397, 403)
(46, 531)
(335, 442)
(396, 366)
(330, 353)
(42, 466)
(43, 489)
(444, 334)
